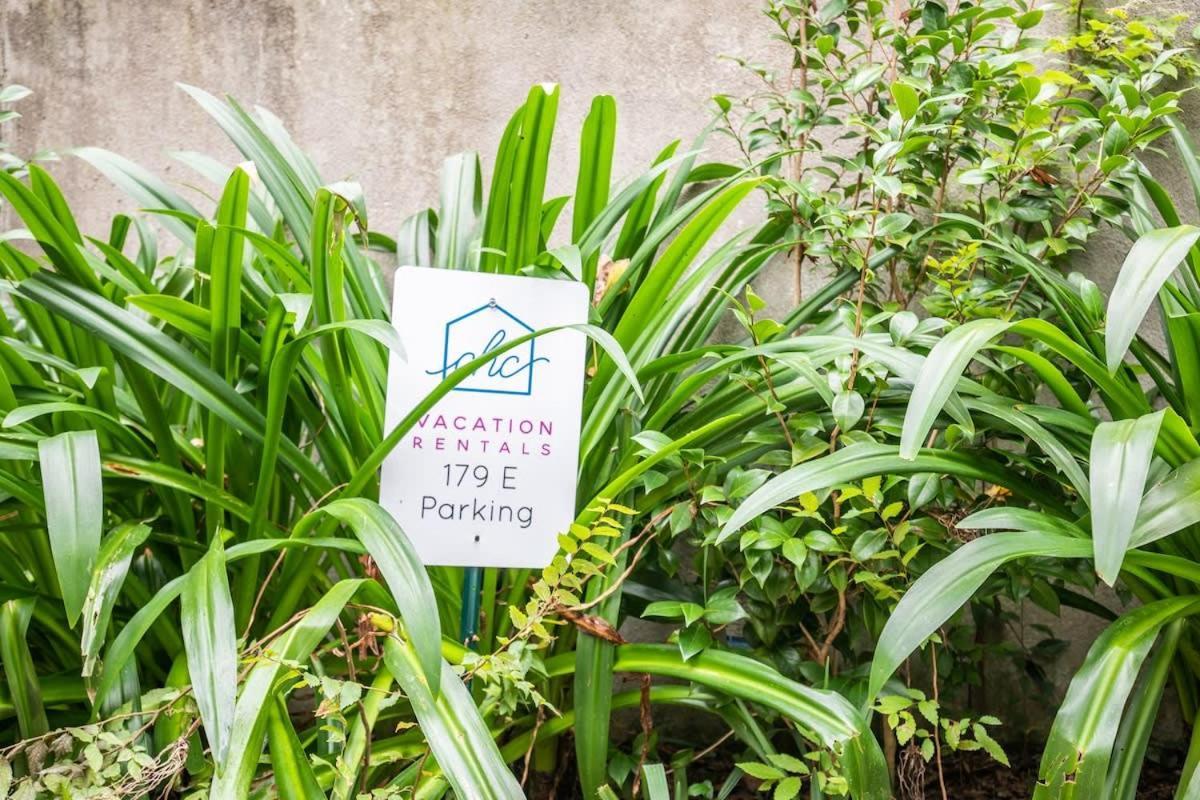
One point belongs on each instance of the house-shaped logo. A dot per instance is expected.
(485, 330)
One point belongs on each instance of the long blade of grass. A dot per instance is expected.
(125, 643)
(825, 717)
(528, 186)
(1153, 259)
(405, 575)
(414, 247)
(641, 206)
(1183, 338)
(71, 486)
(457, 735)
(861, 460)
(144, 187)
(211, 169)
(595, 174)
(1079, 749)
(1170, 506)
(158, 353)
(939, 593)
(235, 773)
(495, 225)
(360, 739)
(461, 205)
(55, 240)
(281, 178)
(1120, 460)
(206, 617)
(112, 565)
(294, 778)
(24, 688)
(1138, 724)
(1058, 452)
(939, 374)
(673, 263)
(225, 274)
(656, 784)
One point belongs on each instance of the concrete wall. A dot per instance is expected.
(376, 91)
(379, 92)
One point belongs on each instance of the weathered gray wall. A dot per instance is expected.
(375, 91)
(379, 92)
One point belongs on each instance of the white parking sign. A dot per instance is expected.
(487, 476)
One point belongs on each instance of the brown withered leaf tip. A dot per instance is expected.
(949, 518)
(609, 273)
(1040, 175)
(591, 625)
(368, 635)
(368, 565)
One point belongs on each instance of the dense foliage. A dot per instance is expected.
(200, 596)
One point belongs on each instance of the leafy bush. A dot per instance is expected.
(218, 412)
(927, 158)
(897, 138)
(1133, 513)
(938, 159)
(802, 505)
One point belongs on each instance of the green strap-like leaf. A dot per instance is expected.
(862, 460)
(360, 739)
(206, 616)
(414, 246)
(112, 565)
(125, 643)
(55, 240)
(1075, 761)
(939, 374)
(1018, 519)
(405, 575)
(1154, 256)
(595, 173)
(1170, 506)
(233, 776)
(941, 592)
(1120, 460)
(1058, 452)
(143, 186)
(24, 688)
(158, 353)
(825, 717)
(282, 369)
(225, 304)
(294, 778)
(1139, 722)
(657, 787)
(458, 220)
(530, 168)
(460, 741)
(74, 511)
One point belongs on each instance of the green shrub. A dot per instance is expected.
(1133, 514)
(206, 424)
(916, 131)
